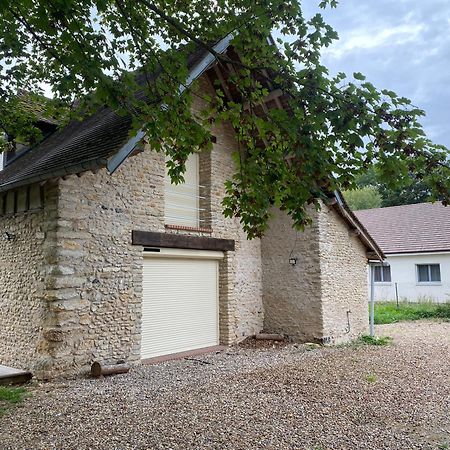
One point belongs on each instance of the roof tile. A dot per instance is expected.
(423, 227)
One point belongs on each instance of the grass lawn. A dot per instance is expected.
(9, 396)
(389, 313)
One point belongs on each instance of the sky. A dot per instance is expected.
(401, 45)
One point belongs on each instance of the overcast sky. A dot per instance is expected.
(402, 45)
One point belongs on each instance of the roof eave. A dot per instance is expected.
(93, 164)
(363, 234)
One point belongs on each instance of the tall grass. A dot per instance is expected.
(387, 312)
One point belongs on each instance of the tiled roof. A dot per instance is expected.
(81, 145)
(423, 227)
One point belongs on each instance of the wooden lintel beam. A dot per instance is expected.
(169, 240)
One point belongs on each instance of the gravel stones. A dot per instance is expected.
(250, 397)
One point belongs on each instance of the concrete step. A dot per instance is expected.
(9, 375)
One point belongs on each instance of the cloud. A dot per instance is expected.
(402, 46)
(365, 39)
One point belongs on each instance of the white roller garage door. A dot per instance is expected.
(180, 301)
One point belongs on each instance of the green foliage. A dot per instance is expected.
(10, 396)
(375, 340)
(371, 377)
(132, 56)
(414, 191)
(363, 198)
(389, 313)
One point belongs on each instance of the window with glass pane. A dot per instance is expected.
(387, 274)
(377, 274)
(382, 274)
(435, 272)
(427, 273)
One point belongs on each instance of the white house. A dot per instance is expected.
(416, 242)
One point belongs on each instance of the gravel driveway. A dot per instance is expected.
(395, 397)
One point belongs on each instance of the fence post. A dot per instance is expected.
(372, 301)
(396, 294)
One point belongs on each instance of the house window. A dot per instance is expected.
(182, 201)
(428, 273)
(381, 273)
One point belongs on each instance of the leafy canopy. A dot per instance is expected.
(334, 128)
(363, 198)
(415, 191)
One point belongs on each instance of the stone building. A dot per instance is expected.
(124, 266)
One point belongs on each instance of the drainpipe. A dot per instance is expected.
(372, 301)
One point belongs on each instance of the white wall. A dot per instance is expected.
(404, 273)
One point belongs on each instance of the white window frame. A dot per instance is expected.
(429, 283)
(2, 159)
(382, 274)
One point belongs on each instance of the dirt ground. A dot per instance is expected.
(275, 397)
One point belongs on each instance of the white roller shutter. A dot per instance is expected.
(182, 200)
(180, 303)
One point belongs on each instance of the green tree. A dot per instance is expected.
(132, 56)
(413, 191)
(363, 198)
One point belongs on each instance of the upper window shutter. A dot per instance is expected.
(182, 200)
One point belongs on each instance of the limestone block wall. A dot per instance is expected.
(95, 300)
(26, 264)
(343, 278)
(323, 297)
(292, 294)
(240, 295)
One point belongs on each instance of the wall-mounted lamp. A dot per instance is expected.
(293, 261)
(8, 236)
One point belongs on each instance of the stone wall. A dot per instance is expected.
(292, 294)
(26, 263)
(71, 280)
(344, 279)
(323, 298)
(95, 300)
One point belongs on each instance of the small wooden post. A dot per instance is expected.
(97, 370)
